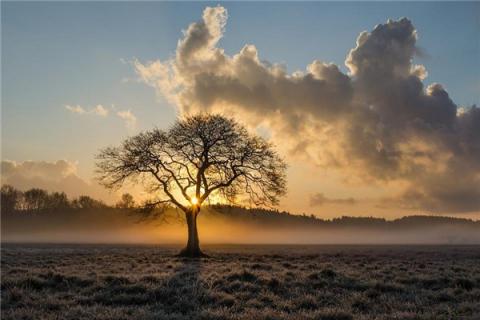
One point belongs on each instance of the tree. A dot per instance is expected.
(35, 199)
(58, 201)
(86, 202)
(199, 157)
(10, 198)
(126, 202)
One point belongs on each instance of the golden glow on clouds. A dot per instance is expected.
(378, 124)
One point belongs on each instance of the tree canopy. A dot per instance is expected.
(198, 156)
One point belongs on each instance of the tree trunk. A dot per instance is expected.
(192, 249)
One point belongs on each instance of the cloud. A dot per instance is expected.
(75, 109)
(98, 110)
(377, 123)
(39, 169)
(319, 199)
(60, 175)
(445, 197)
(129, 118)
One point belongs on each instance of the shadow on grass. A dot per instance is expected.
(183, 294)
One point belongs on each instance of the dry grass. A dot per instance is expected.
(240, 282)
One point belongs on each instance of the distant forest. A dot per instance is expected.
(36, 215)
(38, 201)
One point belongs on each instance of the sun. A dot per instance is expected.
(194, 200)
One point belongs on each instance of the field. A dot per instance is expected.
(240, 282)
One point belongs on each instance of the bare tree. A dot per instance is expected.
(126, 202)
(58, 201)
(87, 202)
(199, 157)
(10, 199)
(35, 199)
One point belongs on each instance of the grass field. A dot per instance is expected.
(240, 282)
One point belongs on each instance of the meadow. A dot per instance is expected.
(240, 282)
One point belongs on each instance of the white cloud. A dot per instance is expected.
(98, 110)
(75, 109)
(129, 118)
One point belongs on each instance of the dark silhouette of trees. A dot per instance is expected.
(86, 202)
(198, 158)
(126, 202)
(58, 201)
(37, 200)
(10, 198)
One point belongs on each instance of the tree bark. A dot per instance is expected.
(192, 249)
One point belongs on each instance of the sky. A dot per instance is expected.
(79, 76)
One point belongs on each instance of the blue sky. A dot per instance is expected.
(73, 53)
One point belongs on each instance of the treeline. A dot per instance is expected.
(37, 200)
(40, 201)
(272, 217)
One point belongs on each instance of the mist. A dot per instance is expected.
(235, 226)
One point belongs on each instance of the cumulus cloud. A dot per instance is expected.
(129, 119)
(58, 176)
(98, 110)
(378, 122)
(39, 169)
(319, 199)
